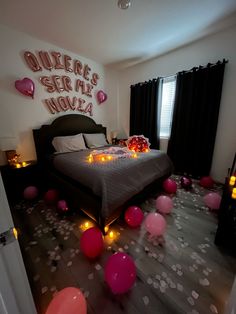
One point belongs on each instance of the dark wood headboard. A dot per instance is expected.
(70, 124)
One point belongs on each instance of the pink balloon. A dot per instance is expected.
(120, 272)
(169, 186)
(51, 196)
(62, 206)
(186, 182)
(68, 301)
(101, 96)
(212, 200)
(134, 216)
(155, 224)
(164, 204)
(30, 192)
(206, 182)
(25, 87)
(91, 242)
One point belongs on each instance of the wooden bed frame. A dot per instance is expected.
(78, 195)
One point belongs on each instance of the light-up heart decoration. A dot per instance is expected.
(25, 87)
(138, 143)
(101, 96)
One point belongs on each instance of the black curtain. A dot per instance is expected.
(144, 113)
(195, 117)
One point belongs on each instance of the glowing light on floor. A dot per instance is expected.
(86, 225)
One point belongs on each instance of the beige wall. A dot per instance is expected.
(209, 49)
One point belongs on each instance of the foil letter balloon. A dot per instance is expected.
(25, 87)
(101, 96)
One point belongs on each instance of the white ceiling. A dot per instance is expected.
(99, 30)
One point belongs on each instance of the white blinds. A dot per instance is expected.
(167, 104)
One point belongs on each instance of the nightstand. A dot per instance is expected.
(226, 231)
(17, 179)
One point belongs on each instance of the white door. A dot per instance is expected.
(15, 294)
(231, 304)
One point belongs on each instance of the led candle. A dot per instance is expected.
(234, 194)
(232, 180)
(18, 165)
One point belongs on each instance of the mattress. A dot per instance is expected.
(115, 180)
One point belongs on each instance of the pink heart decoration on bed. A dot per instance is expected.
(101, 96)
(25, 87)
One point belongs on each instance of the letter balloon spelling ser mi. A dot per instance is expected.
(25, 86)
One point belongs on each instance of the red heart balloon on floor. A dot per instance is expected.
(101, 96)
(25, 87)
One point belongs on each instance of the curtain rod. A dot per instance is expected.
(185, 71)
(200, 67)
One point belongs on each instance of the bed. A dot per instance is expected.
(100, 189)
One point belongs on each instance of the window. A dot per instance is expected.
(167, 104)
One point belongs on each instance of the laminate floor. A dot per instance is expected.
(186, 273)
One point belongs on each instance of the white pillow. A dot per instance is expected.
(65, 144)
(95, 140)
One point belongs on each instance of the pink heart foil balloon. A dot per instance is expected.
(101, 96)
(25, 87)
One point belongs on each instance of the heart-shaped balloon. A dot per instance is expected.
(101, 96)
(25, 87)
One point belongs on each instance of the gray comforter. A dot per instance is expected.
(114, 181)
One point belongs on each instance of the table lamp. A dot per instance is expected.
(8, 146)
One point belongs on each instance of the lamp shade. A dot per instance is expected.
(8, 143)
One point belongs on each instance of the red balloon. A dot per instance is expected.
(186, 182)
(51, 196)
(62, 206)
(120, 272)
(25, 87)
(206, 182)
(212, 200)
(68, 301)
(169, 186)
(101, 96)
(134, 216)
(91, 242)
(30, 192)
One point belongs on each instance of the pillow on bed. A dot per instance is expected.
(65, 144)
(95, 140)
